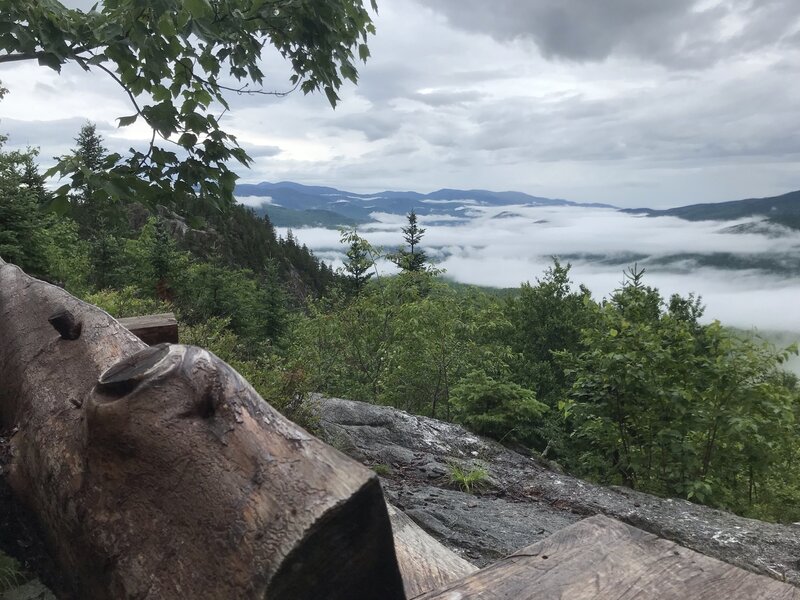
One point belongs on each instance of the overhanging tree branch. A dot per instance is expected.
(7, 58)
(141, 48)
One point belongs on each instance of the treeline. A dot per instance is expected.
(633, 389)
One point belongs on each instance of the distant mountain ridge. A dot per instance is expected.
(352, 207)
(291, 204)
(783, 210)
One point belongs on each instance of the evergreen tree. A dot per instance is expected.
(411, 260)
(105, 256)
(20, 219)
(547, 317)
(163, 258)
(90, 150)
(360, 260)
(90, 208)
(21, 239)
(30, 176)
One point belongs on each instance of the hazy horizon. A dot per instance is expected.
(256, 201)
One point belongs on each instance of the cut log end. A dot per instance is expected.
(348, 554)
(126, 374)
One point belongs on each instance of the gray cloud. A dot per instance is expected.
(260, 151)
(679, 33)
(448, 98)
(373, 124)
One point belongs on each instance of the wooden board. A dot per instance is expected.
(425, 564)
(603, 559)
(153, 329)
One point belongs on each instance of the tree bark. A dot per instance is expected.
(160, 473)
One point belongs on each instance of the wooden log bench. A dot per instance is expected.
(425, 564)
(603, 559)
(159, 473)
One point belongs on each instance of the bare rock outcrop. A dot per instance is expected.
(526, 500)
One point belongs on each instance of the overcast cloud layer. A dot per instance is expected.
(629, 102)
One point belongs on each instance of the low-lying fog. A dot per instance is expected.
(502, 247)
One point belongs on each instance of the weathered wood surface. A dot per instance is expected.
(153, 329)
(603, 559)
(424, 562)
(160, 473)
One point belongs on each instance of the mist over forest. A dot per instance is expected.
(752, 284)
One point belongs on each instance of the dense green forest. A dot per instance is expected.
(633, 389)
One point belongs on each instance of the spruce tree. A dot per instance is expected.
(360, 260)
(411, 260)
(90, 150)
(90, 210)
(21, 191)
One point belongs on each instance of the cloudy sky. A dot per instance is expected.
(630, 102)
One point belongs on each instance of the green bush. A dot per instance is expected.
(126, 302)
(502, 410)
(382, 470)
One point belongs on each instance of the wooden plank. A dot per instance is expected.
(425, 564)
(153, 329)
(603, 559)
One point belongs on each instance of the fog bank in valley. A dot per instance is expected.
(746, 279)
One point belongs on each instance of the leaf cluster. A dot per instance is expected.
(178, 61)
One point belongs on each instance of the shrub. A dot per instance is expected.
(382, 470)
(499, 409)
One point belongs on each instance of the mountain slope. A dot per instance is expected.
(783, 210)
(309, 217)
(303, 204)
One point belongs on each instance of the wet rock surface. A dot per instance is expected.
(525, 500)
(33, 590)
(482, 528)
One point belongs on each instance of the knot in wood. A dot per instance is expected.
(64, 322)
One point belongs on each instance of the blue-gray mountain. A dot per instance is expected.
(290, 204)
(325, 206)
